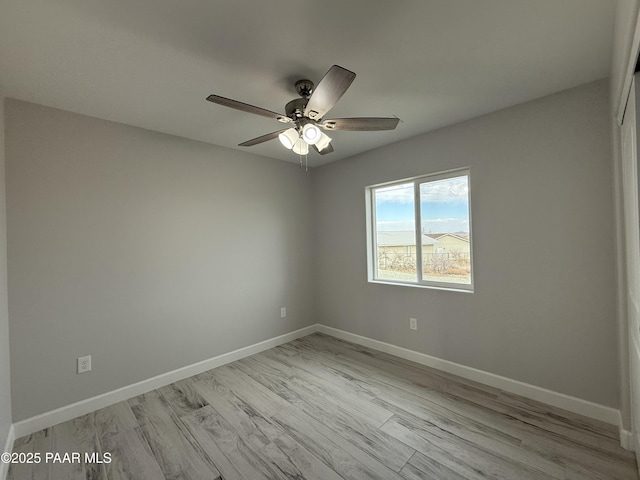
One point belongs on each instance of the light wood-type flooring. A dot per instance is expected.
(321, 408)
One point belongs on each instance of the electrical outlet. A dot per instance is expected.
(84, 364)
(283, 312)
(413, 323)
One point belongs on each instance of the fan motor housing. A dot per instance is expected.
(295, 108)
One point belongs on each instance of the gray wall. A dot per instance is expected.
(5, 377)
(148, 252)
(543, 311)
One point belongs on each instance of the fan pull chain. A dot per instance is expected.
(306, 163)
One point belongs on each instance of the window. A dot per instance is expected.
(432, 212)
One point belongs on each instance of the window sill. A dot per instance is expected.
(420, 285)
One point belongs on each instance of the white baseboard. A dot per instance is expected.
(626, 437)
(62, 414)
(626, 440)
(567, 402)
(560, 400)
(8, 447)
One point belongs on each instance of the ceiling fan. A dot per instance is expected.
(305, 115)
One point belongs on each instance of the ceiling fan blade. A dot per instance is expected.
(245, 107)
(330, 89)
(263, 138)
(325, 150)
(361, 124)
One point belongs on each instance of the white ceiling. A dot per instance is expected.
(151, 63)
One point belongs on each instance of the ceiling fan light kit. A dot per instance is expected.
(309, 135)
(307, 114)
(288, 138)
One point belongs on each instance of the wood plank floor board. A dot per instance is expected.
(466, 460)
(465, 434)
(39, 442)
(174, 448)
(347, 459)
(467, 390)
(581, 431)
(572, 455)
(354, 429)
(324, 378)
(316, 388)
(252, 427)
(397, 379)
(597, 426)
(269, 380)
(540, 442)
(35, 438)
(76, 436)
(323, 408)
(578, 472)
(551, 414)
(235, 459)
(620, 462)
(259, 397)
(346, 427)
(264, 436)
(132, 458)
(490, 412)
(309, 465)
(438, 379)
(376, 388)
(114, 419)
(421, 467)
(421, 401)
(444, 418)
(183, 397)
(570, 425)
(585, 429)
(357, 429)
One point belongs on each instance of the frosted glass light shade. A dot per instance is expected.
(301, 147)
(323, 142)
(311, 133)
(288, 138)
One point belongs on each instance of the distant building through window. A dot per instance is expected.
(432, 211)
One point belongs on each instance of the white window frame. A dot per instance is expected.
(372, 248)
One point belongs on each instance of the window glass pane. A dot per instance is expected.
(395, 232)
(446, 246)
